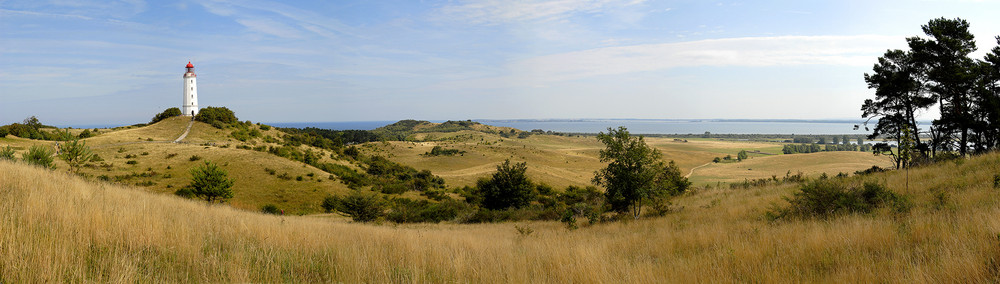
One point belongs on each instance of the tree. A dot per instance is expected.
(168, 113)
(742, 155)
(509, 187)
(211, 183)
(836, 139)
(629, 178)
(75, 153)
(899, 95)
(38, 155)
(947, 68)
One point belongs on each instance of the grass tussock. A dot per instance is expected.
(58, 228)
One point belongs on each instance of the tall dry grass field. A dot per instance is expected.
(57, 228)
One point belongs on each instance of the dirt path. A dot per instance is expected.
(185, 132)
(695, 168)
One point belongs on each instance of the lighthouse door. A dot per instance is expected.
(192, 113)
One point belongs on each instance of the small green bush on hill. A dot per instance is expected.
(219, 117)
(168, 113)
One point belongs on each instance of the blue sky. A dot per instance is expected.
(121, 62)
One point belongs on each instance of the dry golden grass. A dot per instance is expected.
(58, 228)
(561, 161)
(253, 188)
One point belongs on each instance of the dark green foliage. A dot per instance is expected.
(86, 134)
(584, 202)
(361, 207)
(996, 181)
(75, 153)
(39, 156)
(802, 148)
(405, 210)
(872, 170)
(168, 113)
(441, 151)
(348, 176)
(132, 162)
(7, 153)
(219, 117)
(185, 192)
(211, 183)
(194, 158)
(629, 178)
(509, 187)
(826, 198)
(390, 177)
(742, 155)
(270, 209)
(716, 160)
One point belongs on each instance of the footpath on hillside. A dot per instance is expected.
(185, 134)
(692, 169)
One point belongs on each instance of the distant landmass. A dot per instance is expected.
(642, 126)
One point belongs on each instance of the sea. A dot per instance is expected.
(638, 126)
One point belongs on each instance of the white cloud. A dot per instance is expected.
(504, 11)
(754, 51)
(860, 50)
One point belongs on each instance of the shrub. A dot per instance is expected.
(194, 158)
(39, 156)
(270, 171)
(168, 113)
(182, 192)
(218, 117)
(265, 127)
(131, 162)
(7, 153)
(86, 134)
(509, 187)
(825, 198)
(359, 206)
(270, 209)
(996, 181)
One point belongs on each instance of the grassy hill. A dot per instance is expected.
(56, 227)
(144, 156)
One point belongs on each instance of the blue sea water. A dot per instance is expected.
(638, 126)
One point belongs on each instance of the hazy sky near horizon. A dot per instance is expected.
(121, 62)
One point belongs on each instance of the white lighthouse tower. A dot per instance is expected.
(190, 106)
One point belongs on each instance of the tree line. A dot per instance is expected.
(936, 71)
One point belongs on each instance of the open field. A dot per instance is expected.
(571, 160)
(55, 227)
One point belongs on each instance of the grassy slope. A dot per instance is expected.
(58, 228)
(561, 161)
(253, 187)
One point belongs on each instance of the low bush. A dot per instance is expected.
(39, 156)
(825, 198)
(7, 153)
(270, 209)
(359, 206)
(194, 158)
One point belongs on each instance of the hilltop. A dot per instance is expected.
(61, 228)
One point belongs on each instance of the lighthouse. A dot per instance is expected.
(190, 106)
